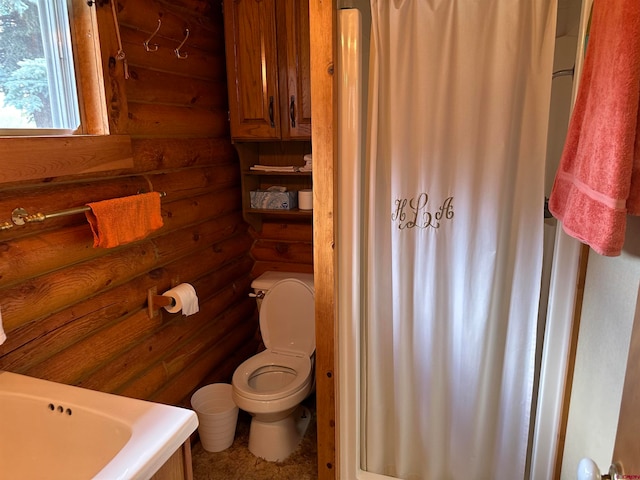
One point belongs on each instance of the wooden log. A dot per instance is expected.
(27, 257)
(260, 267)
(171, 153)
(157, 376)
(217, 207)
(202, 64)
(218, 367)
(223, 249)
(224, 371)
(104, 345)
(52, 199)
(195, 181)
(280, 251)
(46, 294)
(40, 339)
(80, 358)
(199, 8)
(128, 365)
(39, 297)
(206, 33)
(150, 86)
(163, 121)
(49, 157)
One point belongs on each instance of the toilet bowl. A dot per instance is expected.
(272, 384)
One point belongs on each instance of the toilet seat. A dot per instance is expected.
(293, 374)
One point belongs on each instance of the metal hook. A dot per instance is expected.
(155, 45)
(177, 50)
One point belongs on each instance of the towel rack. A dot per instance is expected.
(20, 216)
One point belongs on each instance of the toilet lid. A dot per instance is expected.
(287, 318)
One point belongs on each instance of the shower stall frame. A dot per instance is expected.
(337, 358)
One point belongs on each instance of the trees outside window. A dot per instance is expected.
(36, 69)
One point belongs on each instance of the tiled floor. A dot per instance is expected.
(237, 463)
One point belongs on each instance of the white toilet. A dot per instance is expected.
(271, 384)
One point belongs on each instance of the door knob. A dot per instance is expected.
(588, 470)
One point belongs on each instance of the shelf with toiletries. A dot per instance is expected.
(273, 174)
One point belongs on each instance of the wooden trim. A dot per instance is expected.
(32, 158)
(113, 69)
(178, 466)
(38, 158)
(573, 346)
(324, 144)
(188, 462)
(627, 443)
(88, 66)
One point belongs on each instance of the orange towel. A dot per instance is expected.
(598, 181)
(124, 220)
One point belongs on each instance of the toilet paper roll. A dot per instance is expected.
(184, 298)
(305, 199)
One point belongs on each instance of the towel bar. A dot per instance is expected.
(20, 216)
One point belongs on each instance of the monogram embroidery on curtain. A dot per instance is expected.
(414, 213)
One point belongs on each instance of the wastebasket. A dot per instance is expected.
(217, 416)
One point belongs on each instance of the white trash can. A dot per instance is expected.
(217, 416)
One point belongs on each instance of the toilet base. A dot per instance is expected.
(275, 441)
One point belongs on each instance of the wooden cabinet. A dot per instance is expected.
(179, 466)
(278, 154)
(268, 69)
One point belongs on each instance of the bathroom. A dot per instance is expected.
(78, 315)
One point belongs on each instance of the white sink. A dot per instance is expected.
(56, 431)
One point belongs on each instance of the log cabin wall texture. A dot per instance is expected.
(78, 315)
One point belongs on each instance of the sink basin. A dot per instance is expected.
(56, 431)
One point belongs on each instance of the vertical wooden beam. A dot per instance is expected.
(627, 444)
(322, 15)
(89, 75)
(112, 68)
(581, 277)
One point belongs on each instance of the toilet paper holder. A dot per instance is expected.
(155, 302)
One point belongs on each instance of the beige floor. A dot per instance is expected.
(237, 463)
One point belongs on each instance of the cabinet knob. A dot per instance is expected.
(292, 111)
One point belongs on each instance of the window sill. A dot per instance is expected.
(39, 158)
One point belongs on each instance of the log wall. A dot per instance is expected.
(78, 315)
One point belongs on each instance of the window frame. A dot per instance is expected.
(102, 143)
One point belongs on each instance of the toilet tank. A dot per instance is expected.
(265, 281)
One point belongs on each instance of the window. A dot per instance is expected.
(38, 93)
(100, 143)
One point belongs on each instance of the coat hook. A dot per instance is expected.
(177, 50)
(155, 45)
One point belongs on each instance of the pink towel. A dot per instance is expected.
(598, 180)
(124, 220)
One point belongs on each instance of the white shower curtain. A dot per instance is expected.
(459, 103)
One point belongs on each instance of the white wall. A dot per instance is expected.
(611, 296)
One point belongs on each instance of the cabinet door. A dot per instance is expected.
(295, 68)
(251, 48)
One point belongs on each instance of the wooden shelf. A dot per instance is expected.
(276, 174)
(276, 154)
(295, 212)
